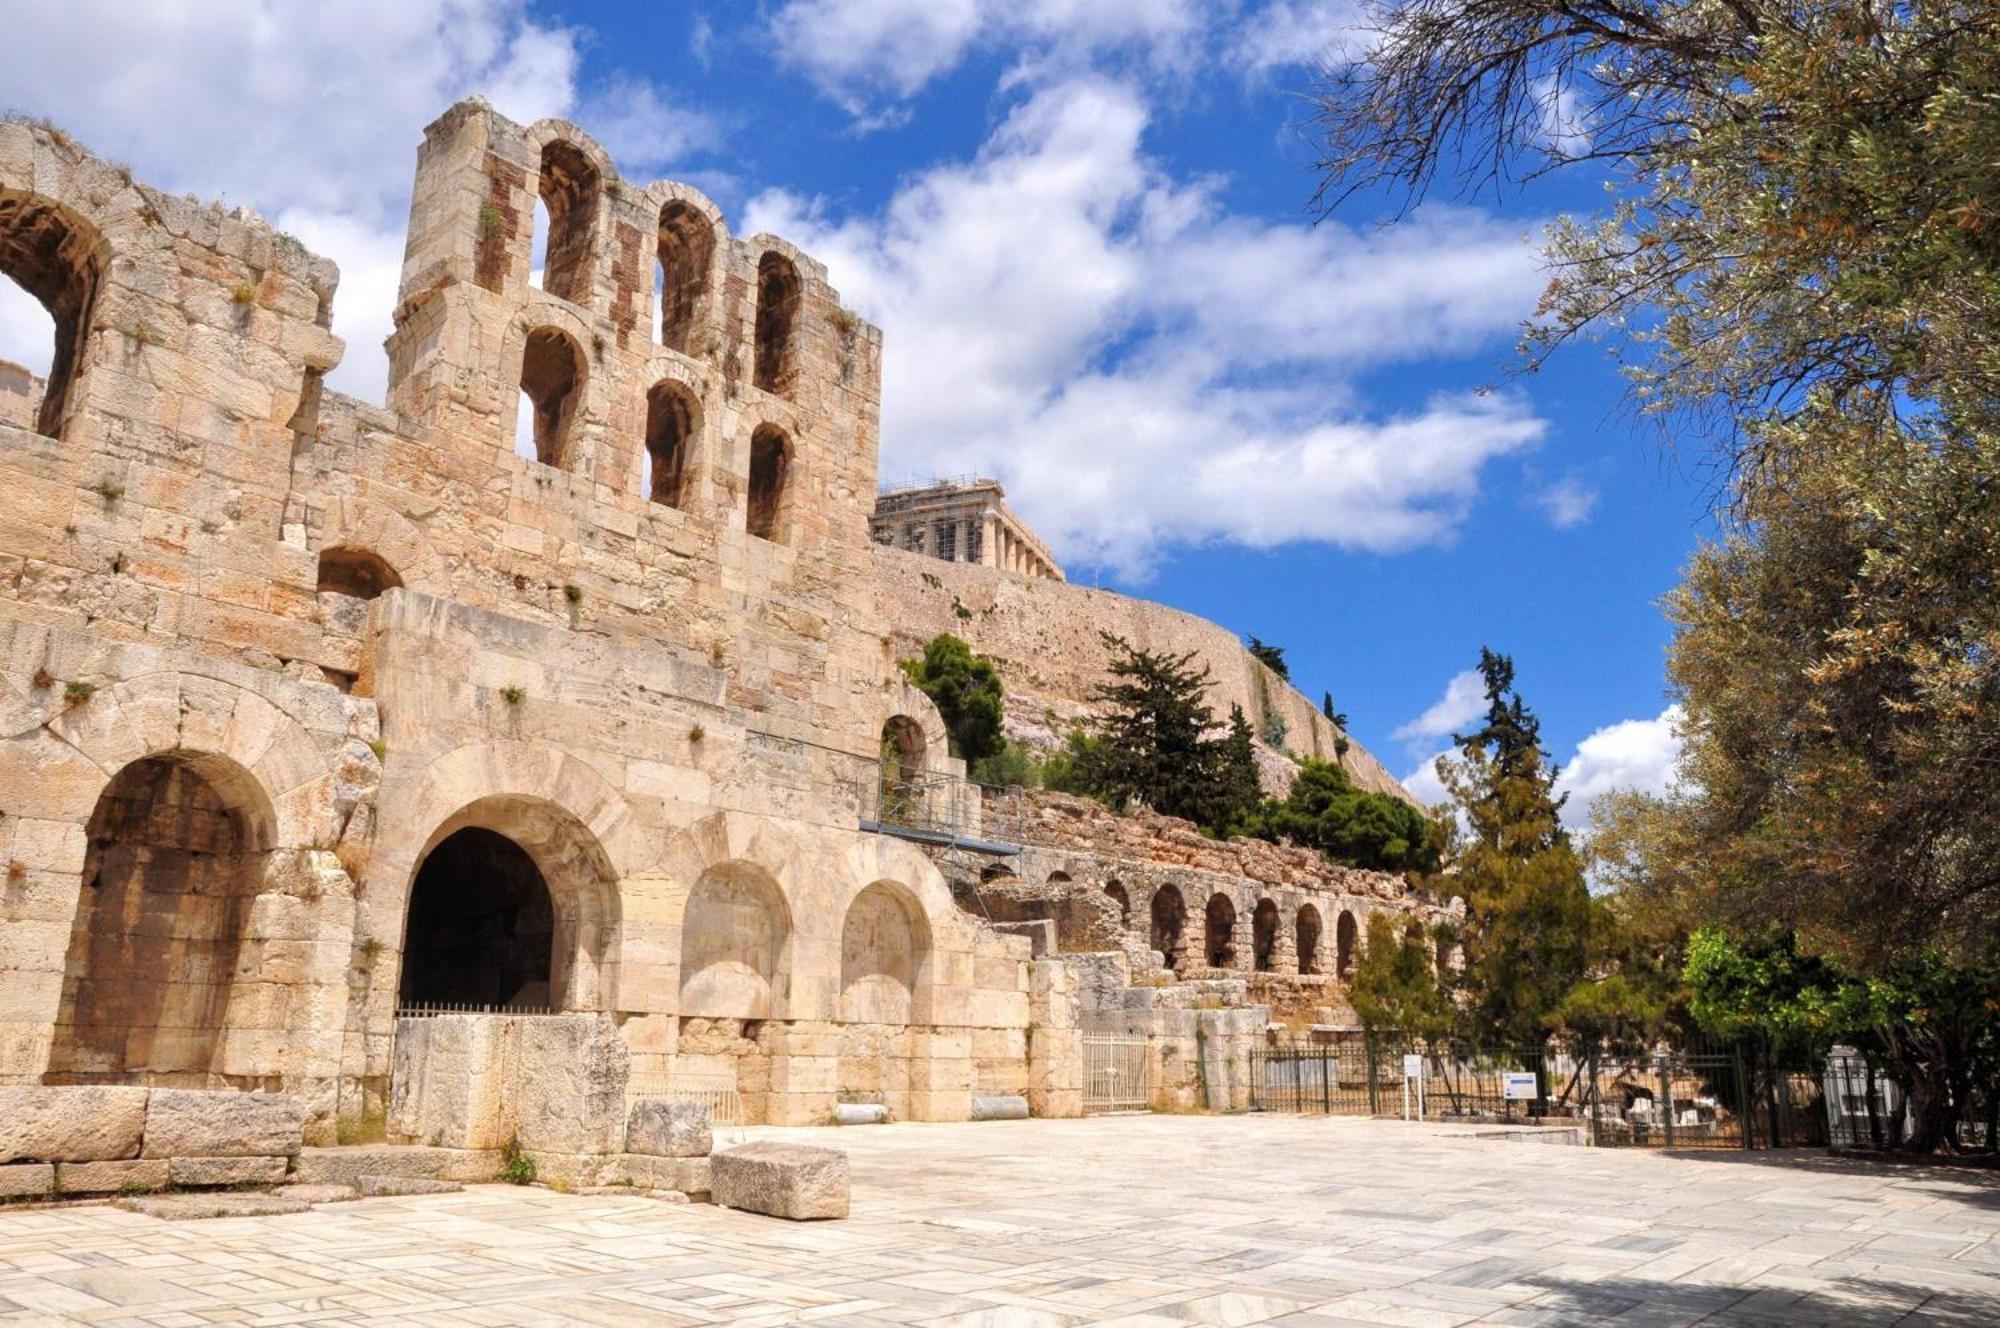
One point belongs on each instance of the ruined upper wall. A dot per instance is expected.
(1045, 637)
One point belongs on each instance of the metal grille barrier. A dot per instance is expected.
(425, 1009)
(716, 1092)
(1117, 1073)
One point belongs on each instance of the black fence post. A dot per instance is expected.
(1374, 1085)
(1590, 1096)
(1325, 1084)
(1746, 1105)
(1667, 1094)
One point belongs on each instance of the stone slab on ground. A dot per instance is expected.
(659, 1127)
(318, 1194)
(188, 1122)
(207, 1171)
(27, 1180)
(346, 1165)
(792, 1181)
(191, 1207)
(139, 1173)
(376, 1187)
(71, 1123)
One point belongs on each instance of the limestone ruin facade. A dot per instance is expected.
(961, 521)
(319, 711)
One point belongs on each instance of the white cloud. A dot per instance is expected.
(1308, 33)
(1141, 366)
(1424, 784)
(311, 114)
(858, 50)
(1463, 700)
(1567, 503)
(1634, 755)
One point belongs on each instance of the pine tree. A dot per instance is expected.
(1270, 656)
(1241, 787)
(1154, 740)
(1528, 907)
(968, 693)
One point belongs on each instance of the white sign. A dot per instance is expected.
(1519, 1086)
(1413, 1067)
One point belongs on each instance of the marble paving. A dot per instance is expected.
(1140, 1220)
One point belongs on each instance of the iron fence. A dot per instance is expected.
(426, 1009)
(943, 807)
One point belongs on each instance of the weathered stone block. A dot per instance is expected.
(192, 1123)
(379, 1187)
(689, 1175)
(145, 1173)
(999, 1108)
(27, 1180)
(346, 1166)
(71, 1124)
(189, 1207)
(781, 1180)
(201, 1171)
(662, 1128)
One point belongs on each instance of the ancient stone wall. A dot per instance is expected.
(1044, 635)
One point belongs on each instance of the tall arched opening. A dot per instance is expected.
(735, 945)
(1307, 929)
(568, 189)
(670, 435)
(552, 374)
(778, 293)
(1220, 939)
(57, 258)
(686, 251)
(770, 479)
(1168, 916)
(883, 949)
(1264, 935)
(177, 846)
(1118, 895)
(481, 929)
(1345, 935)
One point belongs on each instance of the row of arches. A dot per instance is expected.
(1167, 933)
(568, 221)
(553, 372)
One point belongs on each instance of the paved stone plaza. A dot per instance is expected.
(1135, 1220)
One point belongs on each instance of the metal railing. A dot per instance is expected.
(940, 808)
(1117, 1073)
(425, 1009)
(716, 1092)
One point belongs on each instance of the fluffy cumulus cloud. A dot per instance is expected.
(1463, 700)
(1567, 503)
(1144, 368)
(310, 114)
(1634, 755)
(1301, 33)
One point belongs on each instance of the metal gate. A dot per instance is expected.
(1117, 1073)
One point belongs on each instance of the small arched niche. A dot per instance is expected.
(356, 573)
(1345, 934)
(1264, 935)
(1117, 894)
(686, 252)
(57, 259)
(735, 941)
(1168, 919)
(883, 948)
(768, 513)
(1220, 937)
(778, 295)
(671, 423)
(552, 376)
(1307, 929)
(568, 188)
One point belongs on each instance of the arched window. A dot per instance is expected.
(670, 434)
(356, 573)
(770, 466)
(902, 750)
(1344, 934)
(482, 930)
(1308, 928)
(1221, 935)
(56, 258)
(777, 315)
(1123, 900)
(1169, 917)
(687, 248)
(568, 191)
(552, 371)
(1264, 935)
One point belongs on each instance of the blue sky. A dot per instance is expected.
(1084, 228)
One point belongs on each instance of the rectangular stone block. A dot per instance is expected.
(663, 1128)
(689, 1175)
(346, 1166)
(81, 1123)
(781, 1180)
(226, 1170)
(145, 1173)
(183, 1122)
(27, 1180)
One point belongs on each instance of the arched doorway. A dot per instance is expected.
(1220, 947)
(1264, 934)
(1344, 936)
(175, 858)
(481, 929)
(1124, 901)
(1308, 928)
(1169, 919)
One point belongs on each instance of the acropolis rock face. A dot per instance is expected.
(319, 710)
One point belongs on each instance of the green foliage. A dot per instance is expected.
(1074, 769)
(1270, 656)
(1240, 787)
(1394, 987)
(516, 1167)
(1013, 766)
(1324, 810)
(967, 691)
